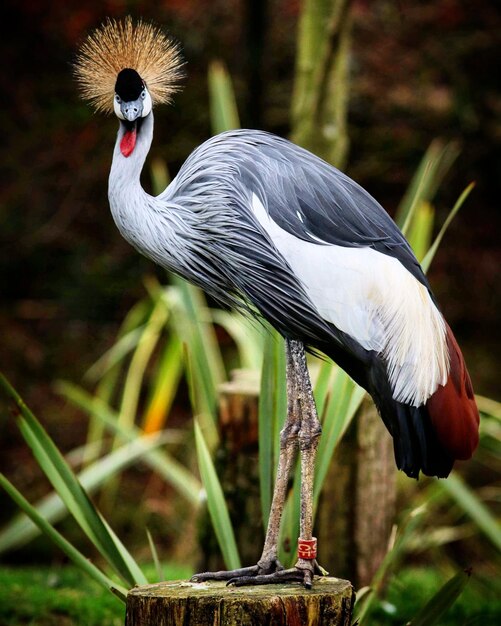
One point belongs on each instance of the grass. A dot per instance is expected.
(50, 596)
(478, 605)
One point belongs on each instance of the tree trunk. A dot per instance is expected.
(357, 507)
(179, 603)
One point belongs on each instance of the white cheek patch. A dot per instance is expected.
(116, 108)
(147, 105)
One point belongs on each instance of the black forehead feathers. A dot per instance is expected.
(129, 85)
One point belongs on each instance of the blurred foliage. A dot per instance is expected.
(321, 84)
(479, 603)
(51, 596)
(54, 596)
(417, 71)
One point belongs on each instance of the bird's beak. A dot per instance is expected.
(132, 110)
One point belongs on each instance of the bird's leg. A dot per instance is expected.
(301, 396)
(309, 434)
(268, 563)
(288, 448)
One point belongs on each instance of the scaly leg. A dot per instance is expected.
(301, 426)
(268, 562)
(309, 434)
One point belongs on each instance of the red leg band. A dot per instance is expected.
(307, 548)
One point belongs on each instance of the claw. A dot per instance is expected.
(264, 574)
(223, 575)
(319, 570)
(282, 576)
(308, 578)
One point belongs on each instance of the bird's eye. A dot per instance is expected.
(117, 98)
(143, 94)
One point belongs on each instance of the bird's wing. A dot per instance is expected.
(373, 299)
(316, 202)
(312, 250)
(352, 261)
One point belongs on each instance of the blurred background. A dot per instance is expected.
(418, 71)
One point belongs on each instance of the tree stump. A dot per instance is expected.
(182, 603)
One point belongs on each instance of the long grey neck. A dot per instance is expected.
(130, 204)
(145, 221)
(126, 171)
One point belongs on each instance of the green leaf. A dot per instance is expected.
(426, 262)
(289, 528)
(272, 411)
(156, 560)
(432, 169)
(116, 354)
(323, 383)
(140, 358)
(442, 600)
(205, 359)
(66, 484)
(402, 537)
(128, 338)
(489, 406)
(455, 487)
(159, 460)
(136, 571)
(70, 551)
(106, 371)
(223, 106)
(344, 400)
(160, 177)
(166, 382)
(216, 503)
(420, 231)
(247, 334)
(21, 530)
(417, 200)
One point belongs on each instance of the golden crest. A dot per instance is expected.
(117, 45)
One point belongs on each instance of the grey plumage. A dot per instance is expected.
(268, 228)
(201, 227)
(303, 194)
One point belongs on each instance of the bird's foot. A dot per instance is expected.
(267, 573)
(263, 568)
(303, 572)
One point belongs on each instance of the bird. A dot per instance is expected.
(267, 228)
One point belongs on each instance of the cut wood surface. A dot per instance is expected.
(181, 603)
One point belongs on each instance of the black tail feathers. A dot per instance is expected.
(415, 443)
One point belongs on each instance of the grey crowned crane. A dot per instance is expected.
(263, 226)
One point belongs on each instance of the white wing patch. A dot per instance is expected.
(374, 299)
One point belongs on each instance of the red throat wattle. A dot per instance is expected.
(128, 142)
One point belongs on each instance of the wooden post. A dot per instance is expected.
(236, 462)
(357, 507)
(180, 603)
